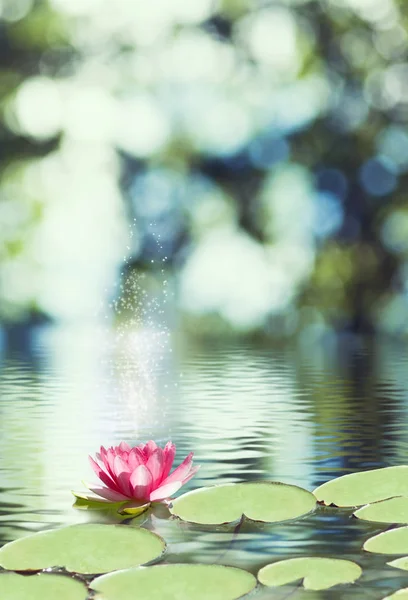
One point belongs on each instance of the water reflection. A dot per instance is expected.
(301, 415)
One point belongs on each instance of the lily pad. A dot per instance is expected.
(88, 549)
(400, 595)
(317, 573)
(175, 582)
(41, 587)
(393, 510)
(394, 541)
(400, 563)
(260, 501)
(365, 487)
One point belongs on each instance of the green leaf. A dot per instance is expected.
(394, 541)
(400, 595)
(176, 582)
(92, 502)
(85, 504)
(260, 501)
(89, 549)
(400, 563)
(317, 573)
(365, 487)
(41, 587)
(393, 510)
(134, 509)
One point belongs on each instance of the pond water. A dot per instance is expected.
(301, 414)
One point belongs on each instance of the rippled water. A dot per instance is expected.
(300, 415)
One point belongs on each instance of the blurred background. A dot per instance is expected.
(250, 155)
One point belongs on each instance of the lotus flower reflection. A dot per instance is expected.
(140, 475)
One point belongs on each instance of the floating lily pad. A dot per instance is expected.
(365, 487)
(41, 587)
(175, 582)
(400, 563)
(317, 573)
(89, 549)
(394, 541)
(393, 510)
(400, 595)
(261, 501)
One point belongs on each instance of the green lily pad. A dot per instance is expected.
(393, 510)
(400, 595)
(41, 587)
(394, 541)
(175, 582)
(365, 487)
(88, 549)
(317, 573)
(260, 501)
(400, 563)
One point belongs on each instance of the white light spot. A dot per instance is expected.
(143, 128)
(37, 108)
(76, 7)
(220, 125)
(230, 274)
(188, 11)
(14, 10)
(89, 114)
(194, 56)
(271, 36)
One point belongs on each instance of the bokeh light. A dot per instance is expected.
(254, 154)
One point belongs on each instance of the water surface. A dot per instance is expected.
(301, 414)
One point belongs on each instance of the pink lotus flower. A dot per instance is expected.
(140, 474)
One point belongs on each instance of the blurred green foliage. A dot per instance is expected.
(256, 152)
